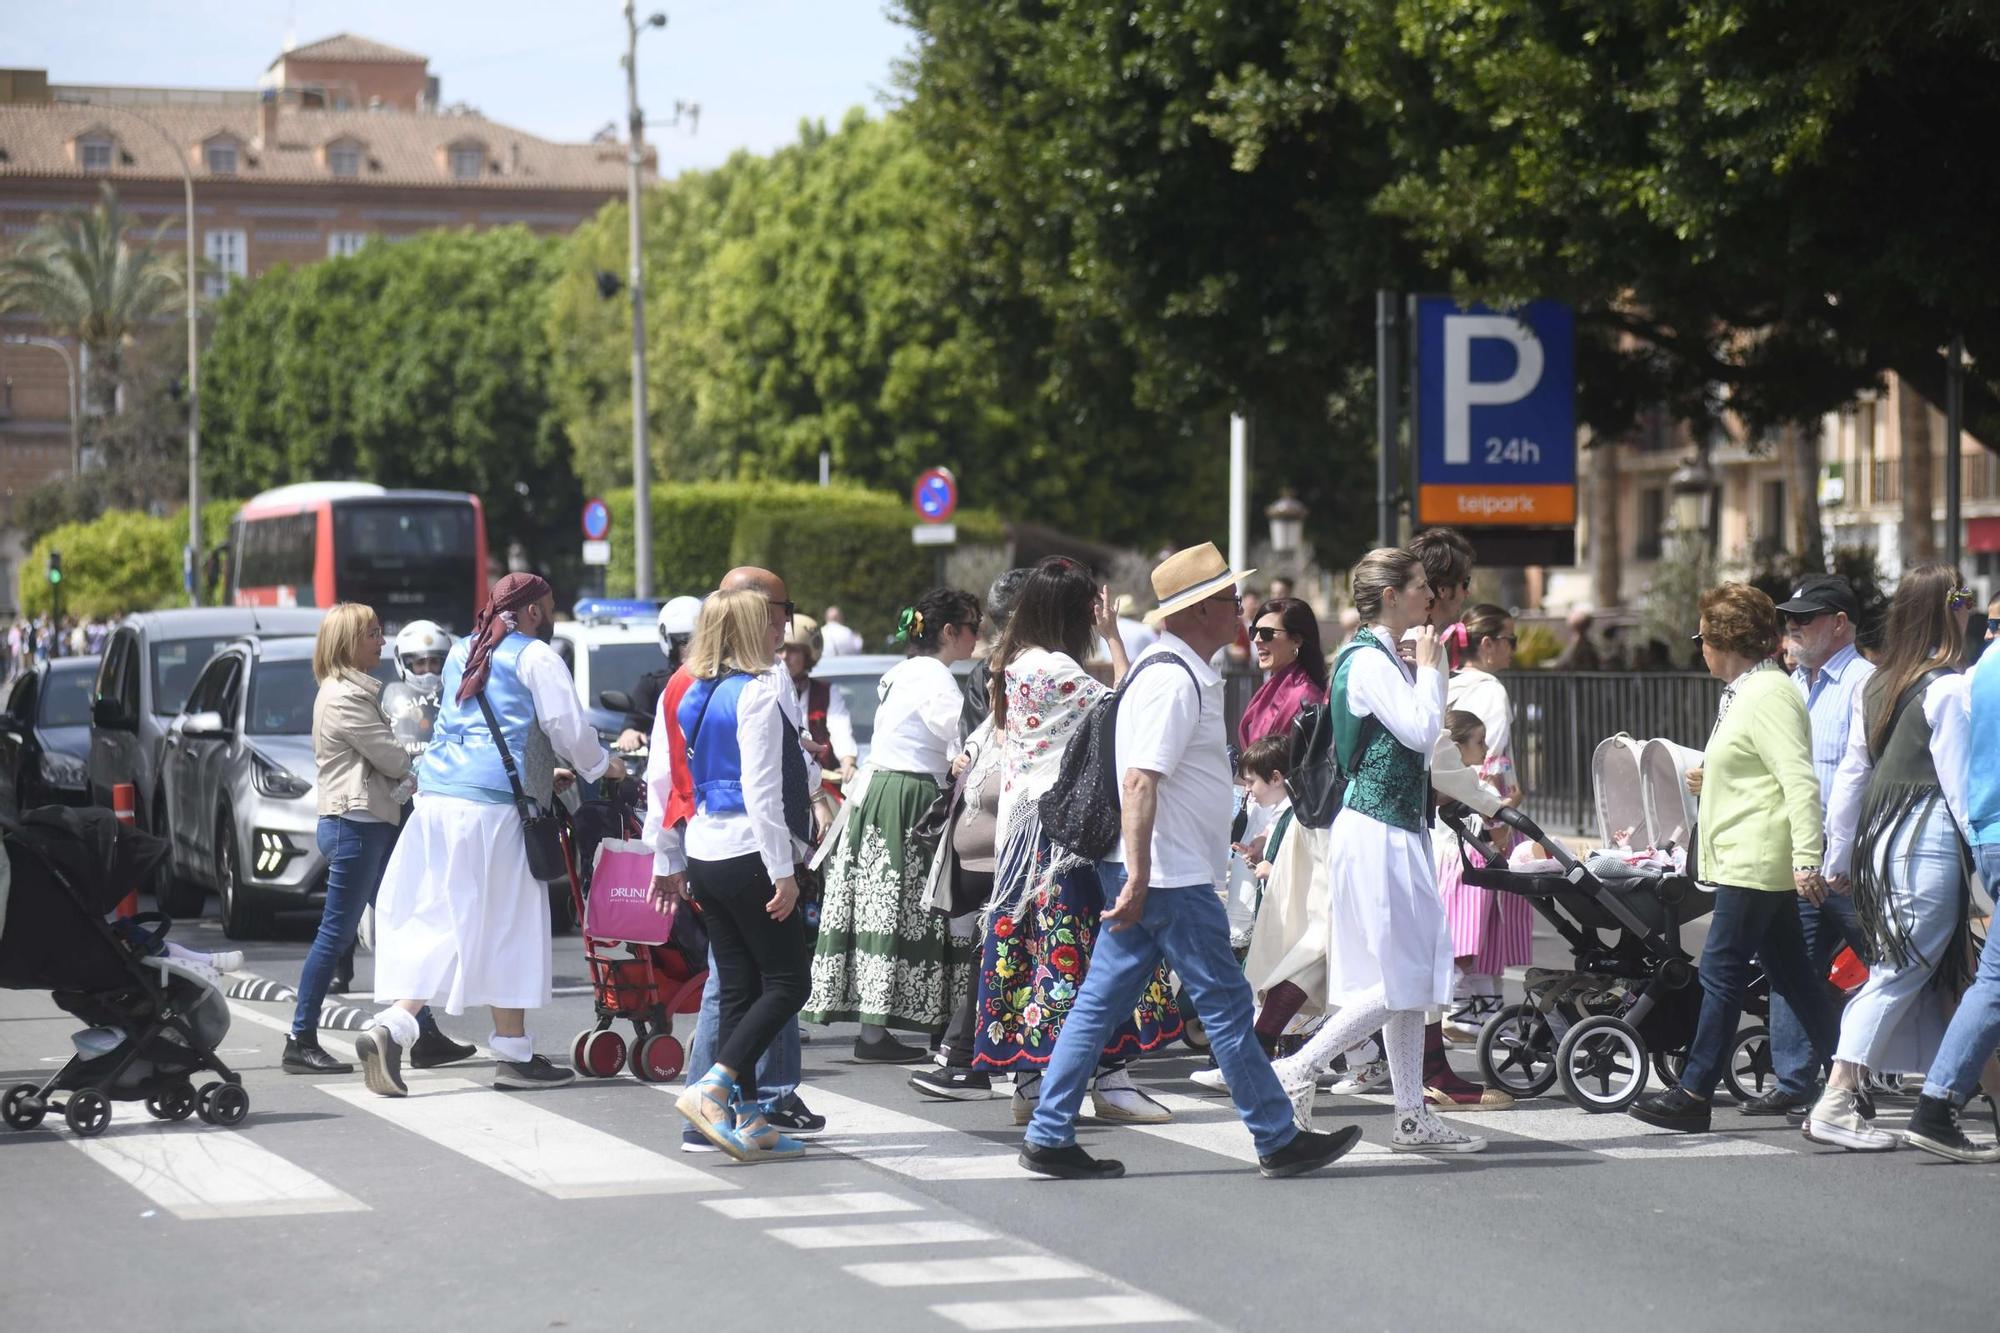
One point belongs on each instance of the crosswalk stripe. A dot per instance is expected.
(561, 1157)
(812, 1205)
(906, 1144)
(963, 1272)
(1613, 1135)
(200, 1173)
(1064, 1312)
(879, 1233)
(1228, 1138)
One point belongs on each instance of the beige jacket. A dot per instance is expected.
(360, 760)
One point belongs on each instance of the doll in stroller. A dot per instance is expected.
(154, 1018)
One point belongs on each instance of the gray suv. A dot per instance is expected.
(238, 779)
(148, 667)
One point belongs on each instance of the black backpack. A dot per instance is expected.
(1317, 779)
(1081, 811)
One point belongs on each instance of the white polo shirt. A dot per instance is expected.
(1168, 726)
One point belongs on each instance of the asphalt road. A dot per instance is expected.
(463, 1207)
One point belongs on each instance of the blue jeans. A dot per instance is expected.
(1750, 926)
(1189, 928)
(356, 852)
(1826, 928)
(1975, 1028)
(778, 1069)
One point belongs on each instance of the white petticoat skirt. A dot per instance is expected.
(460, 921)
(1386, 922)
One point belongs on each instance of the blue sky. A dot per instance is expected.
(757, 67)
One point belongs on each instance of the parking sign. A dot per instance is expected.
(1496, 414)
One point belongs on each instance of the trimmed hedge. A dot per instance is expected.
(120, 561)
(835, 545)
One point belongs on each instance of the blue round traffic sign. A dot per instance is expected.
(596, 520)
(935, 496)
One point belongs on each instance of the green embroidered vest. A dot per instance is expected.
(1387, 781)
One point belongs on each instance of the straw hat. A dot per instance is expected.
(1191, 576)
(804, 633)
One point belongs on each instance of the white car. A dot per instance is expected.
(608, 656)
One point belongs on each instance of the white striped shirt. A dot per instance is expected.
(1830, 693)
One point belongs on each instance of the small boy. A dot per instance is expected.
(1262, 772)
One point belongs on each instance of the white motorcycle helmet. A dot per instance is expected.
(677, 622)
(416, 641)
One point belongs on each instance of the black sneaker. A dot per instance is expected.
(888, 1051)
(308, 1057)
(1934, 1128)
(789, 1115)
(953, 1085)
(1778, 1102)
(381, 1062)
(1675, 1109)
(1309, 1150)
(1071, 1163)
(433, 1048)
(530, 1075)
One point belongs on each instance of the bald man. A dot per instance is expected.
(670, 803)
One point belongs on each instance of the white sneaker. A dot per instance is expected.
(1027, 1091)
(1371, 1077)
(1301, 1083)
(1211, 1079)
(229, 960)
(1114, 1098)
(1836, 1120)
(1420, 1131)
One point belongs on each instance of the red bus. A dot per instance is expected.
(412, 555)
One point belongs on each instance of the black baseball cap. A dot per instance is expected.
(1817, 593)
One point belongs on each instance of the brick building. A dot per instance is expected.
(341, 141)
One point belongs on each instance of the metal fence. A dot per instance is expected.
(1561, 716)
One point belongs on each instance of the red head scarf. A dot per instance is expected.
(495, 623)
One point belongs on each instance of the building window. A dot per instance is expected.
(94, 154)
(344, 159)
(1652, 523)
(468, 163)
(1770, 518)
(222, 158)
(340, 244)
(228, 259)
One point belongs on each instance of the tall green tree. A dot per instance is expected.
(79, 273)
(423, 363)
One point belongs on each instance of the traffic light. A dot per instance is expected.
(55, 568)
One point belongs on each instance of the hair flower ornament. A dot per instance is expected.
(910, 625)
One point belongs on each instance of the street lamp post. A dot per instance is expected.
(179, 155)
(642, 464)
(75, 408)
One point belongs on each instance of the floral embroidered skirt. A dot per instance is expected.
(1032, 966)
(883, 956)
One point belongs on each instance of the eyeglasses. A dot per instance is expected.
(1800, 619)
(1511, 640)
(1961, 599)
(789, 608)
(1697, 640)
(970, 626)
(1265, 633)
(1233, 597)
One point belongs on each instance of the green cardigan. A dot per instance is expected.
(1761, 816)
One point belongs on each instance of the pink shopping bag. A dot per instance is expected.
(620, 906)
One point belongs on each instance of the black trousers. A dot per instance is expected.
(765, 966)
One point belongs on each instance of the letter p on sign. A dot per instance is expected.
(1462, 393)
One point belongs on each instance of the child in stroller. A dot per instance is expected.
(154, 1016)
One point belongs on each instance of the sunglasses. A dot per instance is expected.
(1265, 633)
(1697, 640)
(1800, 619)
(1511, 640)
(789, 608)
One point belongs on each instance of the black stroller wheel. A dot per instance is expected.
(176, 1103)
(224, 1104)
(1748, 1071)
(1517, 1051)
(88, 1112)
(21, 1109)
(1667, 1067)
(1602, 1064)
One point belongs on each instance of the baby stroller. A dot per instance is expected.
(1628, 1006)
(157, 1020)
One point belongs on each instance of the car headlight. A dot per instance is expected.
(62, 770)
(274, 780)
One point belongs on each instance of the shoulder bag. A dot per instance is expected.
(540, 831)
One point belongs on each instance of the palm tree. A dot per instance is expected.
(77, 274)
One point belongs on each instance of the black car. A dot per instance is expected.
(45, 735)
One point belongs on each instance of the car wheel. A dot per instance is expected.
(241, 920)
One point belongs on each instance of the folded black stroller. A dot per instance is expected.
(156, 1021)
